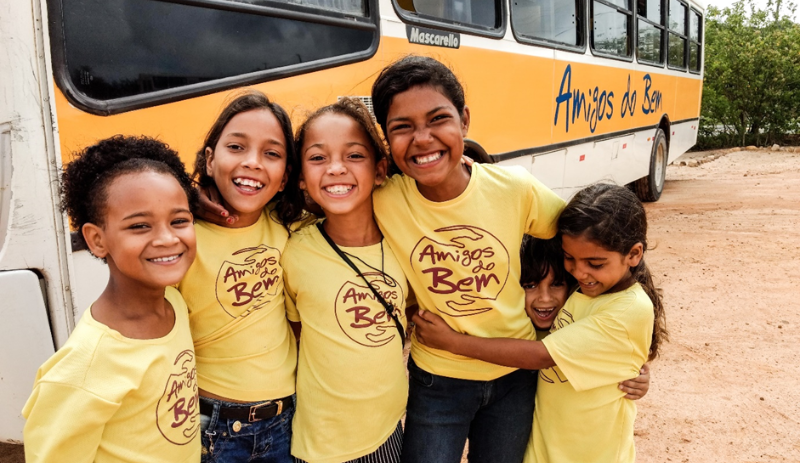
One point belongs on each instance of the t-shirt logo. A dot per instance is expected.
(176, 412)
(249, 280)
(551, 375)
(362, 317)
(465, 266)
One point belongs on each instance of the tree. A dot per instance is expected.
(752, 73)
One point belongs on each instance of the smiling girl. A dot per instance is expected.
(246, 352)
(346, 288)
(123, 388)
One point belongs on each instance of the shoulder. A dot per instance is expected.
(301, 242)
(632, 304)
(392, 188)
(504, 174)
(175, 299)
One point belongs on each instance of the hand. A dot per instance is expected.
(211, 209)
(467, 161)
(636, 388)
(432, 331)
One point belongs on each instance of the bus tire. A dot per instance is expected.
(649, 188)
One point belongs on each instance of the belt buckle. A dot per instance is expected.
(252, 415)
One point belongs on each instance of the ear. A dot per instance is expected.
(380, 171)
(301, 181)
(285, 177)
(465, 122)
(635, 255)
(95, 240)
(209, 161)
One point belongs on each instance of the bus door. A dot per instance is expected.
(34, 292)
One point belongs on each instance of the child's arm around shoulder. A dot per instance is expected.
(432, 331)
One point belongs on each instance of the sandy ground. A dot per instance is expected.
(727, 255)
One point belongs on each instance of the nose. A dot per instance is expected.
(423, 135)
(252, 159)
(165, 237)
(544, 294)
(337, 167)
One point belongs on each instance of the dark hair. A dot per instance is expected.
(538, 257)
(414, 71)
(353, 108)
(85, 180)
(613, 217)
(288, 206)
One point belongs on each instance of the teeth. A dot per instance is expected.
(165, 259)
(248, 182)
(338, 189)
(421, 160)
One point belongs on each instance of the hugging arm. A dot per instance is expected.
(432, 331)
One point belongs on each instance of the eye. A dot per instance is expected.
(399, 127)
(273, 154)
(596, 266)
(558, 284)
(441, 117)
(529, 286)
(234, 147)
(180, 222)
(568, 257)
(356, 155)
(139, 226)
(316, 157)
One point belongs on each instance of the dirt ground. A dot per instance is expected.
(727, 255)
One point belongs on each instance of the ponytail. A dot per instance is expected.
(642, 275)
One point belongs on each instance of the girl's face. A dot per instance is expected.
(544, 299)
(597, 269)
(339, 168)
(249, 164)
(148, 236)
(426, 137)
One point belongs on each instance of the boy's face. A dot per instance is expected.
(543, 300)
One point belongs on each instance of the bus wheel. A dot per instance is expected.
(649, 188)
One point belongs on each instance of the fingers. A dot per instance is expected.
(631, 393)
(466, 160)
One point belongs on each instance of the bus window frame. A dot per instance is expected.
(369, 22)
(700, 36)
(631, 28)
(664, 36)
(423, 20)
(684, 36)
(580, 29)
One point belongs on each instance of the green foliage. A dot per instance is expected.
(751, 87)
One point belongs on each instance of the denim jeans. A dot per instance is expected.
(265, 441)
(443, 412)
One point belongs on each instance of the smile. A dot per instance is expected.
(248, 184)
(338, 190)
(544, 313)
(166, 259)
(428, 158)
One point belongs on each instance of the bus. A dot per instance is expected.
(575, 91)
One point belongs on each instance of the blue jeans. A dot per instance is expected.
(443, 412)
(265, 441)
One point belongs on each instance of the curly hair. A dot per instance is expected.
(288, 205)
(85, 180)
(613, 217)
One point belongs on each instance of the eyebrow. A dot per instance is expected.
(349, 144)
(149, 214)
(271, 141)
(429, 113)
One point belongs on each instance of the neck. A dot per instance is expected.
(124, 299)
(456, 183)
(626, 282)
(354, 229)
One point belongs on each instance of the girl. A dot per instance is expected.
(455, 231)
(602, 334)
(345, 286)
(246, 352)
(122, 389)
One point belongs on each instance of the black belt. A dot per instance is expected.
(250, 414)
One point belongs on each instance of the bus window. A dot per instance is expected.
(342, 6)
(114, 50)
(677, 35)
(553, 21)
(651, 32)
(695, 24)
(611, 24)
(481, 14)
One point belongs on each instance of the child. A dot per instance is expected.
(246, 352)
(602, 334)
(122, 389)
(547, 286)
(454, 230)
(351, 382)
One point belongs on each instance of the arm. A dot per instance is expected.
(432, 331)
(637, 387)
(51, 433)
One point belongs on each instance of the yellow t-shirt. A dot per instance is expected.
(461, 257)
(351, 380)
(107, 398)
(234, 289)
(581, 415)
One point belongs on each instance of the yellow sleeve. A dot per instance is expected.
(603, 348)
(290, 294)
(64, 423)
(545, 208)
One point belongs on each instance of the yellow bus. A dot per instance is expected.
(576, 91)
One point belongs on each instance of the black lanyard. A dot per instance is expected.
(390, 309)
